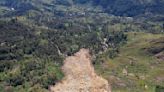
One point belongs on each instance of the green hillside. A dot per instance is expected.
(125, 38)
(116, 7)
(134, 69)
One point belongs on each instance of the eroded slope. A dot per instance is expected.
(80, 75)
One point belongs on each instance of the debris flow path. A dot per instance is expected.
(80, 75)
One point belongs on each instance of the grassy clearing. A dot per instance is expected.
(134, 69)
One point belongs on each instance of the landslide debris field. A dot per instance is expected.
(80, 75)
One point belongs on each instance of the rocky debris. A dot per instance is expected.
(80, 75)
(160, 79)
(117, 82)
(160, 56)
(146, 86)
(125, 72)
(131, 74)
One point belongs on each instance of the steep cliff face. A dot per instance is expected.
(80, 75)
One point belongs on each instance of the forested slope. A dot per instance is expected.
(37, 35)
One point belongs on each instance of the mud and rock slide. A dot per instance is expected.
(80, 75)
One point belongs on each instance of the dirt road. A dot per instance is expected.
(80, 75)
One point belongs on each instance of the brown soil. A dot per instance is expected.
(80, 75)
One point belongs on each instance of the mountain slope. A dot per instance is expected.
(132, 7)
(116, 7)
(36, 36)
(135, 69)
